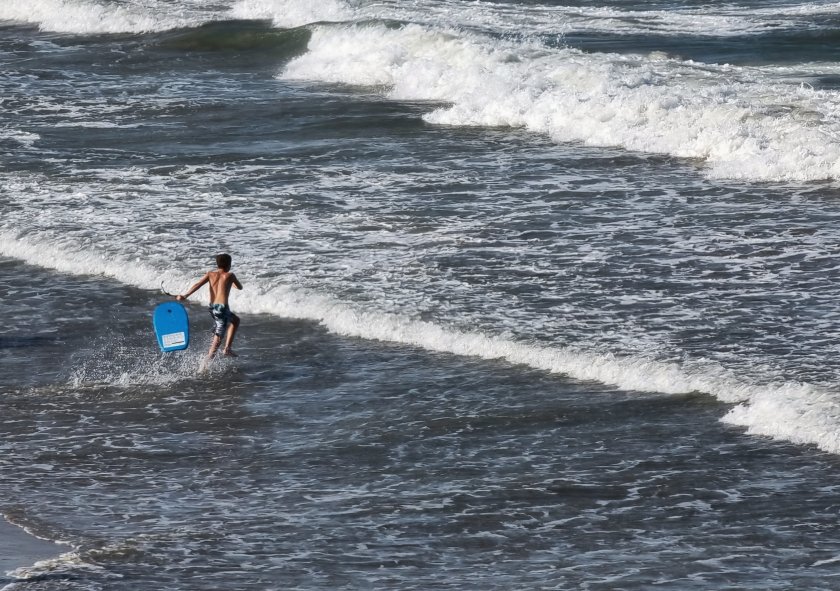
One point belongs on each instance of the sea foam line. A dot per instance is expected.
(800, 413)
(139, 16)
(796, 412)
(85, 17)
(292, 13)
(349, 320)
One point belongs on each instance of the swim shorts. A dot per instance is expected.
(221, 318)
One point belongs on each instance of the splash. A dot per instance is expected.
(117, 363)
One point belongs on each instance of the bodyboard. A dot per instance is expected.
(172, 326)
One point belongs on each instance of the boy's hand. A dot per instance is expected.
(179, 298)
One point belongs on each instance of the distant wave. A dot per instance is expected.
(740, 122)
(293, 13)
(142, 16)
(86, 17)
(90, 17)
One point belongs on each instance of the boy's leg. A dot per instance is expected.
(214, 346)
(231, 332)
(219, 323)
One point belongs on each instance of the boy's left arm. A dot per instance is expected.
(237, 283)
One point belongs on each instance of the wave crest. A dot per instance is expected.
(739, 122)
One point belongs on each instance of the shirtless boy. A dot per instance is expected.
(225, 322)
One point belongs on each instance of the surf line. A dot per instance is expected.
(345, 319)
(626, 372)
(630, 373)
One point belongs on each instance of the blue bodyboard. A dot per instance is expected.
(172, 326)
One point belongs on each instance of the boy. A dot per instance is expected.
(220, 281)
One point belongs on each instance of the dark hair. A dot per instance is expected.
(223, 261)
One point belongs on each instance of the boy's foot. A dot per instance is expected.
(229, 353)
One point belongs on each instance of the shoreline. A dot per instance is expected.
(18, 549)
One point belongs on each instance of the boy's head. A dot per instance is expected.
(223, 261)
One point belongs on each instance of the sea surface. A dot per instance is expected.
(537, 294)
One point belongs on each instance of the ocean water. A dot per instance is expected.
(538, 295)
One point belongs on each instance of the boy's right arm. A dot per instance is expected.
(194, 288)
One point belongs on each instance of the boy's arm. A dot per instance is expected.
(236, 282)
(194, 288)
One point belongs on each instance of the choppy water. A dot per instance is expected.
(536, 295)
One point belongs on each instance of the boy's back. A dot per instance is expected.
(219, 283)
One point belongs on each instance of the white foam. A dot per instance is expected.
(62, 564)
(83, 263)
(739, 121)
(832, 560)
(800, 413)
(24, 138)
(720, 21)
(135, 16)
(806, 9)
(669, 22)
(90, 17)
(97, 125)
(537, 19)
(292, 13)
